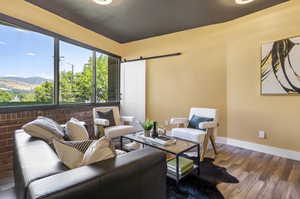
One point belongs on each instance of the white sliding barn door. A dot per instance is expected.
(133, 89)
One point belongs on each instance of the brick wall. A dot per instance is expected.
(9, 122)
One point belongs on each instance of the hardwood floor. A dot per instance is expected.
(261, 176)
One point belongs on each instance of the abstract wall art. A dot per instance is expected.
(280, 67)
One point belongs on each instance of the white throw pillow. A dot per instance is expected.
(79, 153)
(76, 130)
(102, 149)
(44, 128)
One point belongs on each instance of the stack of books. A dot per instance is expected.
(185, 166)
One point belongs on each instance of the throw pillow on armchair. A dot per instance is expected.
(196, 120)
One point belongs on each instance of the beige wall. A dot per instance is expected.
(220, 68)
(32, 14)
(248, 111)
(197, 78)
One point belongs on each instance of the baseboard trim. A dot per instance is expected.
(293, 155)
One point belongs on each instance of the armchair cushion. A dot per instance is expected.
(117, 131)
(107, 114)
(127, 119)
(101, 122)
(194, 135)
(207, 125)
(179, 121)
(197, 120)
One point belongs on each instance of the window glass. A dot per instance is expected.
(107, 78)
(26, 67)
(76, 74)
(101, 77)
(27, 72)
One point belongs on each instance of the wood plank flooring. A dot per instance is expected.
(261, 176)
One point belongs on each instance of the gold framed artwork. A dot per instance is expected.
(280, 67)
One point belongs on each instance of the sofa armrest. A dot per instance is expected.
(179, 121)
(101, 122)
(207, 125)
(141, 172)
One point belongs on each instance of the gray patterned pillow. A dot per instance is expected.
(44, 128)
(109, 115)
(79, 153)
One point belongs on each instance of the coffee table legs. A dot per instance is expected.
(198, 159)
(177, 168)
(121, 143)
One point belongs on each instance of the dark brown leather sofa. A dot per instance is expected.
(39, 174)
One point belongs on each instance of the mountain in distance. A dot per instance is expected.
(21, 83)
(28, 80)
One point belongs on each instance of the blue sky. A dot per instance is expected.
(27, 54)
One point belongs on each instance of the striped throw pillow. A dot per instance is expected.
(79, 153)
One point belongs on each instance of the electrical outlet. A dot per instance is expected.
(262, 134)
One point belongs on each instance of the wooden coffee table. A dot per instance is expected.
(178, 150)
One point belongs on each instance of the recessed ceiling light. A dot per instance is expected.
(243, 1)
(103, 2)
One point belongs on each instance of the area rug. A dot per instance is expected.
(203, 186)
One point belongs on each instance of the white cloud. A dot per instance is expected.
(2, 43)
(30, 54)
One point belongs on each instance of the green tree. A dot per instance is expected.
(83, 84)
(43, 93)
(102, 78)
(5, 96)
(27, 97)
(66, 87)
(77, 87)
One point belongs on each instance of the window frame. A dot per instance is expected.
(56, 41)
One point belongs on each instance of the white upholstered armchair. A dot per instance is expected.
(206, 130)
(122, 125)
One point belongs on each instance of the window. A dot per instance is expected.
(38, 67)
(107, 76)
(26, 67)
(76, 74)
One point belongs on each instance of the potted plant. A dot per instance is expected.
(148, 125)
